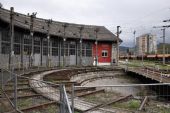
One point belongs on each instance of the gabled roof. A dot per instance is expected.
(57, 29)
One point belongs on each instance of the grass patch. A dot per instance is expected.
(0, 90)
(24, 103)
(102, 97)
(131, 104)
(157, 107)
(138, 63)
(49, 109)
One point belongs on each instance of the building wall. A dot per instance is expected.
(23, 47)
(114, 53)
(103, 48)
(153, 44)
(22, 51)
(146, 44)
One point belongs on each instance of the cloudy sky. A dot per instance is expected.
(138, 15)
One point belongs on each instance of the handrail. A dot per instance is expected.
(66, 97)
(124, 85)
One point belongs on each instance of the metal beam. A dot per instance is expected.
(117, 45)
(96, 58)
(32, 38)
(163, 60)
(64, 39)
(81, 43)
(48, 42)
(124, 85)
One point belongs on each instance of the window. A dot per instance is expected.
(89, 53)
(36, 49)
(6, 36)
(72, 52)
(17, 49)
(5, 48)
(86, 49)
(17, 38)
(27, 49)
(45, 45)
(54, 43)
(72, 48)
(27, 45)
(5, 42)
(45, 51)
(27, 39)
(37, 41)
(104, 53)
(54, 46)
(37, 45)
(54, 51)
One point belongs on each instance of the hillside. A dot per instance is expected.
(167, 48)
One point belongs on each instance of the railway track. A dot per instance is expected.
(155, 75)
(53, 94)
(36, 88)
(28, 100)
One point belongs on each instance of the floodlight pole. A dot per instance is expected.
(96, 59)
(32, 38)
(134, 53)
(81, 42)
(117, 45)
(64, 41)
(48, 42)
(163, 60)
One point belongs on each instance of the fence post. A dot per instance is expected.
(23, 69)
(26, 66)
(15, 89)
(61, 99)
(38, 66)
(161, 77)
(2, 79)
(152, 74)
(72, 98)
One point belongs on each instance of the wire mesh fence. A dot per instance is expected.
(31, 92)
(22, 95)
(147, 98)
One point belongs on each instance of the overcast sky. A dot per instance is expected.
(139, 15)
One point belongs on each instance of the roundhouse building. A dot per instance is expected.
(26, 40)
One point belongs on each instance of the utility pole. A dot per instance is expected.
(12, 37)
(32, 38)
(11, 60)
(118, 32)
(96, 59)
(163, 60)
(81, 42)
(166, 20)
(48, 42)
(64, 40)
(142, 55)
(134, 53)
(164, 27)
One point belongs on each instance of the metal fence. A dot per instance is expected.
(149, 98)
(26, 92)
(22, 95)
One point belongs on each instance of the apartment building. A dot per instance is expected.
(146, 44)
